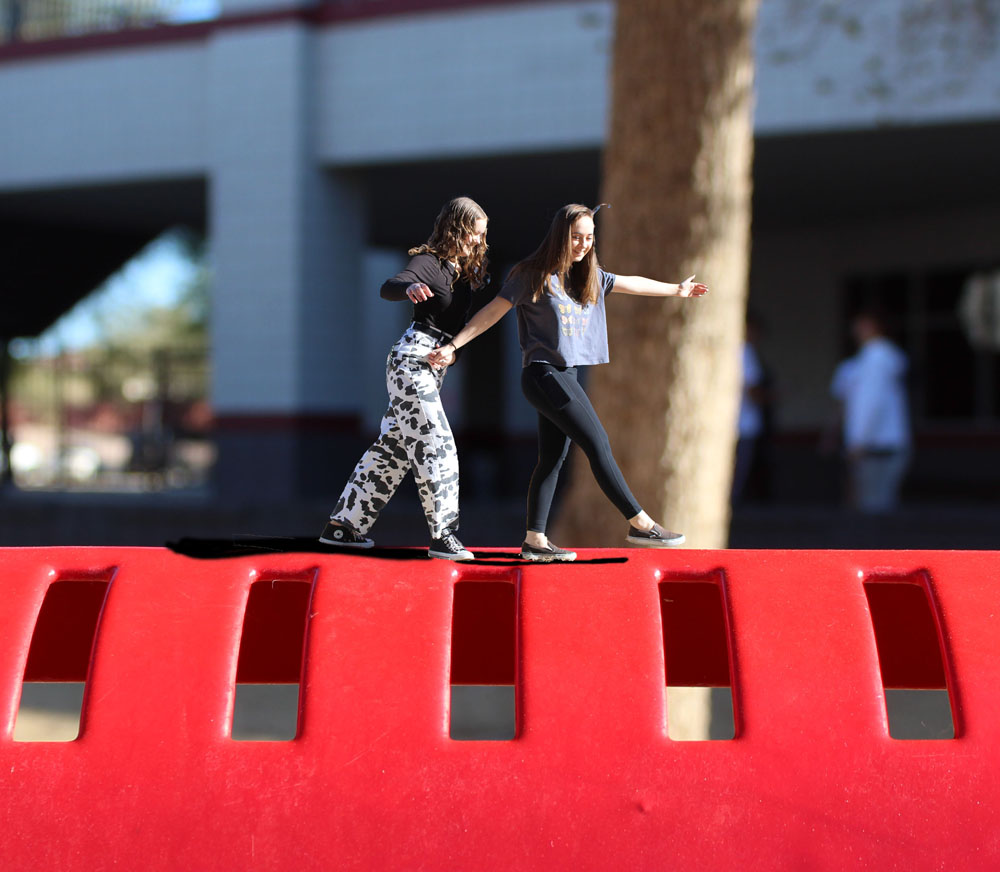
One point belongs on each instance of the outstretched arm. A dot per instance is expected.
(643, 287)
(412, 282)
(485, 318)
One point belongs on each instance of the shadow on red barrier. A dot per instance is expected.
(249, 545)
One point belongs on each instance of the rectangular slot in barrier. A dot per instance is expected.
(484, 661)
(53, 691)
(910, 656)
(272, 652)
(697, 657)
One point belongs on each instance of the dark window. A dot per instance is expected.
(950, 380)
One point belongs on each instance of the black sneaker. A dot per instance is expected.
(655, 538)
(449, 548)
(551, 554)
(344, 537)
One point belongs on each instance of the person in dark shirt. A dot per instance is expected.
(414, 434)
(559, 293)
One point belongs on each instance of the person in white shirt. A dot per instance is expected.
(871, 386)
(750, 422)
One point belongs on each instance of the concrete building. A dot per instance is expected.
(314, 142)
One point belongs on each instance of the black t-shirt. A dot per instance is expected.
(448, 309)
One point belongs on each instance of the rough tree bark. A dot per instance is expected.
(677, 170)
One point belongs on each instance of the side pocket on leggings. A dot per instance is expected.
(554, 392)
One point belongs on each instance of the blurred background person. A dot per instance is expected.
(751, 468)
(871, 386)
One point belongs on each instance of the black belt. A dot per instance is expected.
(433, 332)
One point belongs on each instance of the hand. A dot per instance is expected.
(418, 292)
(443, 355)
(690, 288)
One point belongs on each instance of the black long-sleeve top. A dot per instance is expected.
(448, 309)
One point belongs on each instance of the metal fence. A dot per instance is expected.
(27, 20)
(32, 20)
(136, 420)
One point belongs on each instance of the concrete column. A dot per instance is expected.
(383, 323)
(288, 241)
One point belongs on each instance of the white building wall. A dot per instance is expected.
(489, 80)
(287, 237)
(495, 79)
(330, 294)
(254, 223)
(863, 64)
(492, 79)
(104, 116)
(382, 323)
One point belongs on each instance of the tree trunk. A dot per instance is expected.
(677, 170)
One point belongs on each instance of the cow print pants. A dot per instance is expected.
(414, 434)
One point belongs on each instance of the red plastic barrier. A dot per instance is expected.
(812, 779)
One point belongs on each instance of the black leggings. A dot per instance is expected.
(564, 415)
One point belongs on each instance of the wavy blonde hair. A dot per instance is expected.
(554, 256)
(456, 220)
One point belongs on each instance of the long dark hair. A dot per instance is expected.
(581, 281)
(454, 222)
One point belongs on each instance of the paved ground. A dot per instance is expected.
(40, 518)
(50, 518)
(924, 526)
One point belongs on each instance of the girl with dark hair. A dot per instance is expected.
(414, 434)
(559, 292)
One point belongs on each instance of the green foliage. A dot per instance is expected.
(135, 343)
